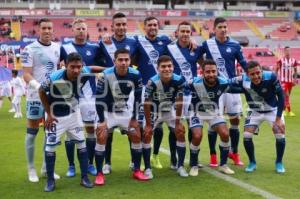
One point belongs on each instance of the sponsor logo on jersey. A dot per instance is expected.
(192, 53)
(160, 43)
(88, 53)
(127, 47)
(228, 50)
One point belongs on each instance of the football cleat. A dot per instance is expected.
(106, 169)
(213, 160)
(279, 167)
(50, 185)
(71, 171)
(236, 158)
(155, 162)
(92, 170)
(85, 182)
(182, 172)
(251, 167)
(291, 114)
(173, 167)
(226, 170)
(139, 175)
(148, 173)
(12, 110)
(32, 176)
(100, 179)
(194, 171)
(200, 165)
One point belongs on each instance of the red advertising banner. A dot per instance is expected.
(60, 12)
(173, 13)
(35, 12)
(251, 14)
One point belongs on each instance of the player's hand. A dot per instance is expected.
(50, 122)
(193, 45)
(106, 38)
(278, 126)
(148, 133)
(133, 123)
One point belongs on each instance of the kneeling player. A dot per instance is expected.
(206, 92)
(163, 92)
(59, 96)
(113, 108)
(265, 98)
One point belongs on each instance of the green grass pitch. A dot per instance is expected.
(166, 184)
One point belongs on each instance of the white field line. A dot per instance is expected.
(232, 180)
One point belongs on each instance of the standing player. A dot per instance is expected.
(60, 96)
(5, 91)
(164, 92)
(287, 72)
(225, 51)
(149, 48)
(18, 91)
(112, 104)
(185, 63)
(91, 57)
(39, 60)
(119, 40)
(265, 98)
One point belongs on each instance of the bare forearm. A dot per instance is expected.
(147, 111)
(179, 101)
(44, 101)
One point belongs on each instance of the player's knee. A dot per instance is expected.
(248, 135)
(196, 138)
(180, 137)
(235, 121)
(81, 145)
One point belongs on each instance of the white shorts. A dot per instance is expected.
(71, 124)
(168, 117)
(254, 119)
(120, 119)
(87, 109)
(201, 117)
(34, 110)
(230, 104)
(5, 91)
(16, 99)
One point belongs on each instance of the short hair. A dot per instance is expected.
(73, 57)
(121, 51)
(163, 58)
(286, 47)
(252, 64)
(15, 72)
(119, 15)
(149, 19)
(184, 23)
(78, 20)
(42, 20)
(208, 62)
(219, 20)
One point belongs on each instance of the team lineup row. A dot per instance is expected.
(163, 79)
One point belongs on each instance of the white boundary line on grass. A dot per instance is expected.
(232, 180)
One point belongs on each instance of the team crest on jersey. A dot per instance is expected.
(192, 53)
(219, 92)
(185, 66)
(127, 47)
(228, 50)
(153, 54)
(160, 43)
(88, 53)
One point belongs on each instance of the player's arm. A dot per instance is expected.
(44, 88)
(241, 59)
(182, 88)
(277, 67)
(295, 75)
(235, 85)
(148, 96)
(137, 96)
(101, 95)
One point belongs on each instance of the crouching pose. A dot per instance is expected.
(59, 95)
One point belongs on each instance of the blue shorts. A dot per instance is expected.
(34, 110)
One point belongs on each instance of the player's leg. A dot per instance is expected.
(157, 139)
(288, 94)
(172, 146)
(100, 155)
(196, 130)
(252, 122)
(146, 138)
(134, 135)
(70, 150)
(222, 130)
(90, 144)
(212, 140)
(234, 109)
(108, 147)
